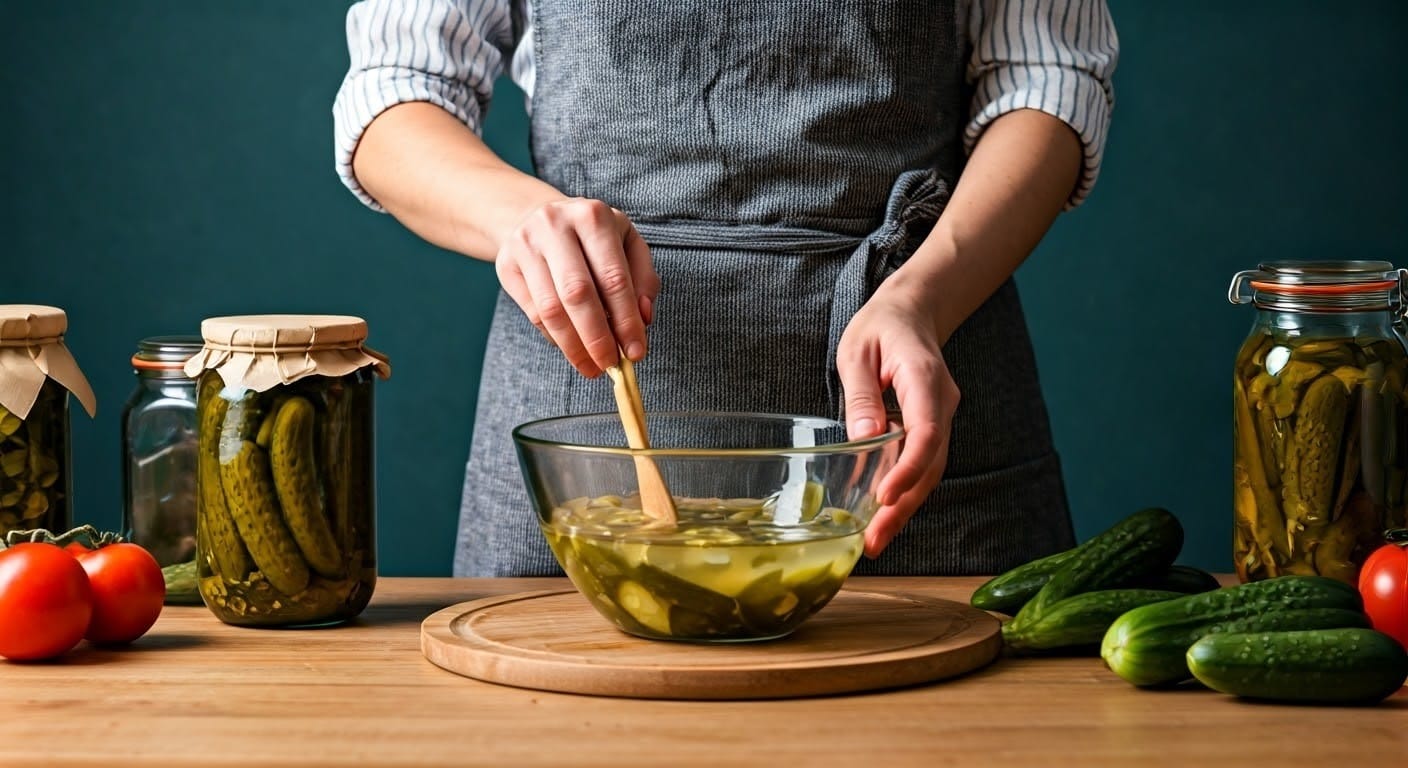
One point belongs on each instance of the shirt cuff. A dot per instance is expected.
(1075, 97)
(367, 93)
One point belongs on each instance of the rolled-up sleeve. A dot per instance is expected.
(445, 52)
(1056, 56)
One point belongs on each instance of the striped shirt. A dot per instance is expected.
(1056, 56)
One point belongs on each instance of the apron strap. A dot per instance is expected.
(699, 233)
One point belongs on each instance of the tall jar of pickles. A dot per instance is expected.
(37, 374)
(1320, 417)
(285, 513)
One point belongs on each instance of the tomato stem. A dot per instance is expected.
(85, 535)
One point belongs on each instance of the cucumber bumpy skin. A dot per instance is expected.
(255, 509)
(1147, 645)
(1080, 621)
(1328, 666)
(1314, 456)
(216, 527)
(1008, 592)
(1141, 545)
(291, 455)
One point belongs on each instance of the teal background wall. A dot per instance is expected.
(166, 161)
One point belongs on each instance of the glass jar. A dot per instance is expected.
(1320, 432)
(159, 461)
(285, 469)
(37, 373)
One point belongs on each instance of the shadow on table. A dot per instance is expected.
(408, 611)
(86, 654)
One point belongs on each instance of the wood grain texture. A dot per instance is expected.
(655, 497)
(198, 692)
(861, 641)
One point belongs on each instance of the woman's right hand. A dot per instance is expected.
(584, 277)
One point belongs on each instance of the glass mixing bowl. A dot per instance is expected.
(771, 513)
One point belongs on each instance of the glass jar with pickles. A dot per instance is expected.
(37, 374)
(285, 521)
(1320, 432)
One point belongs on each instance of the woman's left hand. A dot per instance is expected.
(893, 342)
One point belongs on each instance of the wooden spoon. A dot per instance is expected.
(655, 498)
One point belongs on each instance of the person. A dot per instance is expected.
(815, 207)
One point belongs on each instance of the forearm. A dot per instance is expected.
(1019, 177)
(443, 182)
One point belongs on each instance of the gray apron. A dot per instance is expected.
(781, 159)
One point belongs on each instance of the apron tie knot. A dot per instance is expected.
(917, 199)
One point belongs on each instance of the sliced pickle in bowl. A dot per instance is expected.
(724, 571)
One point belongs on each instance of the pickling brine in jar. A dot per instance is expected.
(285, 523)
(1320, 418)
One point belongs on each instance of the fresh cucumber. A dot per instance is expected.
(1147, 645)
(1327, 666)
(1079, 621)
(1183, 578)
(1010, 591)
(1143, 544)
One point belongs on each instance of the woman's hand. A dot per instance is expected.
(576, 267)
(893, 342)
(582, 274)
(1019, 176)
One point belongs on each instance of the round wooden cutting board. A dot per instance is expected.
(861, 641)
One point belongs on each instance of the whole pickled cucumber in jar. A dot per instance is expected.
(1319, 455)
(287, 525)
(35, 466)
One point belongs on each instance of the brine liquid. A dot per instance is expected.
(724, 570)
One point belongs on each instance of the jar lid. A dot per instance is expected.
(278, 332)
(165, 353)
(260, 351)
(26, 324)
(1321, 286)
(31, 351)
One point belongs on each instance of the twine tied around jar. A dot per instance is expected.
(259, 352)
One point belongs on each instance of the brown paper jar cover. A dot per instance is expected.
(259, 352)
(32, 350)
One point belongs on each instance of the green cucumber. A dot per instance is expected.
(1185, 579)
(1079, 621)
(1010, 591)
(1327, 666)
(1147, 645)
(1143, 544)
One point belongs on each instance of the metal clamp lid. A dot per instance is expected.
(1322, 286)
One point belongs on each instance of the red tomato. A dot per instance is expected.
(1383, 581)
(128, 590)
(76, 549)
(45, 602)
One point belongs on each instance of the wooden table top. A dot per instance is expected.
(197, 692)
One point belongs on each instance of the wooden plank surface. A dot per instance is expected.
(197, 692)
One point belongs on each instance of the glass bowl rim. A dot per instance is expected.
(895, 432)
